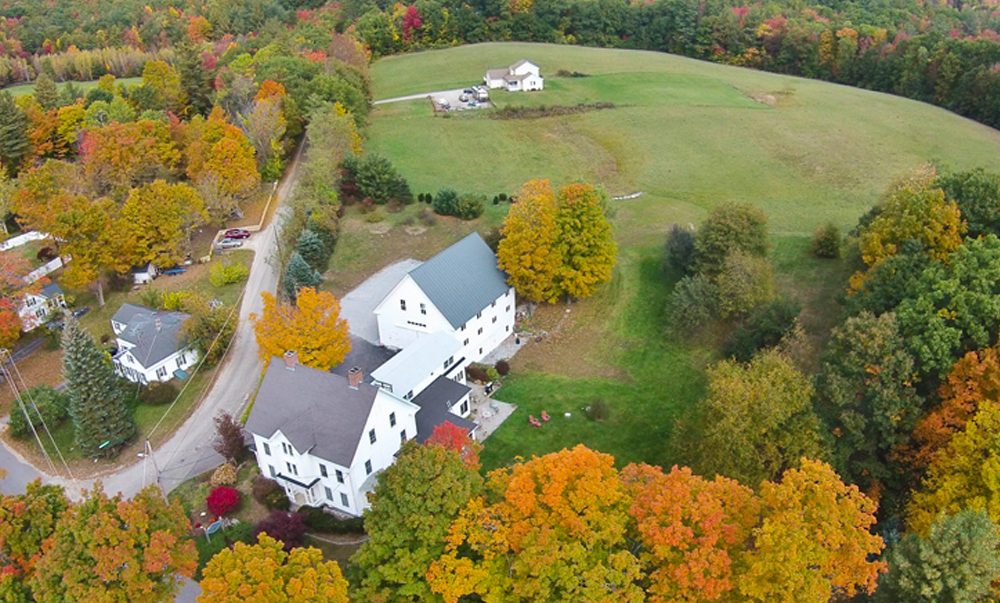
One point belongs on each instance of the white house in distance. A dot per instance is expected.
(151, 344)
(521, 76)
(36, 307)
(459, 292)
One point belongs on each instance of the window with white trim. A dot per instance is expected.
(423, 308)
(322, 470)
(371, 436)
(392, 419)
(340, 475)
(161, 372)
(402, 437)
(329, 492)
(368, 467)
(270, 468)
(465, 407)
(402, 305)
(267, 449)
(343, 500)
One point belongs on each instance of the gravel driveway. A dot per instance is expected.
(357, 306)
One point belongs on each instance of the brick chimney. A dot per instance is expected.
(354, 377)
(291, 359)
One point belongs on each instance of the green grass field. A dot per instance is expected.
(690, 135)
(84, 86)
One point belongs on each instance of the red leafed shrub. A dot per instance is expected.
(284, 526)
(222, 500)
(502, 367)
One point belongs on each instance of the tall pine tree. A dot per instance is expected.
(196, 79)
(14, 141)
(46, 94)
(96, 402)
(299, 274)
(312, 249)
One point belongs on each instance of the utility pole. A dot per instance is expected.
(156, 469)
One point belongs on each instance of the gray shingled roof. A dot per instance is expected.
(495, 74)
(434, 402)
(51, 290)
(519, 63)
(152, 344)
(461, 280)
(314, 409)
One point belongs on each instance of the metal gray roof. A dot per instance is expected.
(434, 403)
(317, 411)
(156, 334)
(461, 280)
(417, 361)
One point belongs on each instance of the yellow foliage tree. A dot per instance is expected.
(586, 240)
(964, 475)
(528, 251)
(312, 328)
(265, 573)
(813, 544)
(155, 224)
(914, 209)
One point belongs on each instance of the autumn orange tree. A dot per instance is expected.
(312, 328)
(550, 529)
(693, 531)
(114, 550)
(963, 475)
(527, 251)
(220, 161)
(26, 521)
(973, 381)
(265, 573)
(119, 156)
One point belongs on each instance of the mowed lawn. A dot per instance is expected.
(687, 133)
(690, 135)
(23, 89)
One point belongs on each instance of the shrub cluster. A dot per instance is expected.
(263, 488)
(567, 73)
(502, 367)
(522, 112)
(321, 521)
(476, 372)
(825, 242)
(373, 177)
(765, 327)
(39, 400)
(467, 206)
(225, 475)
(223, 500)
(285, 526)
(227, 272)
(157, 393)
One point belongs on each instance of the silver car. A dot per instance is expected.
(230, 244)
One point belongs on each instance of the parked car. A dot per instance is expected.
(230, 244)
(81, 311)
(464, 98)
(237, 233)
(467, 91)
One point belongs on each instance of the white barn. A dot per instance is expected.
(461, 293)
(522, 76)
(151, 345)
(325, 437)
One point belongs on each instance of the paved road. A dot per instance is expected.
(410, 97)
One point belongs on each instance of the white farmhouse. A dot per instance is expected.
(521, 76)
(36, 307)
(151, 344)
(325, 438)
(461, 293)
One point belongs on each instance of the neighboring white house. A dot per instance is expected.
(459, 292)
(143, 275)
(325, 437)
(151, 344)
(521, 76)
(36, 307)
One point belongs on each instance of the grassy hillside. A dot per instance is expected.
(692, 135)
(84, 86)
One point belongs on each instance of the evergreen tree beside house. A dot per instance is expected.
(101, 418)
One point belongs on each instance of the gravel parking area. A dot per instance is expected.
(357, 306)
(455, 102)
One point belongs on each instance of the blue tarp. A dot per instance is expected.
(180, 374)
